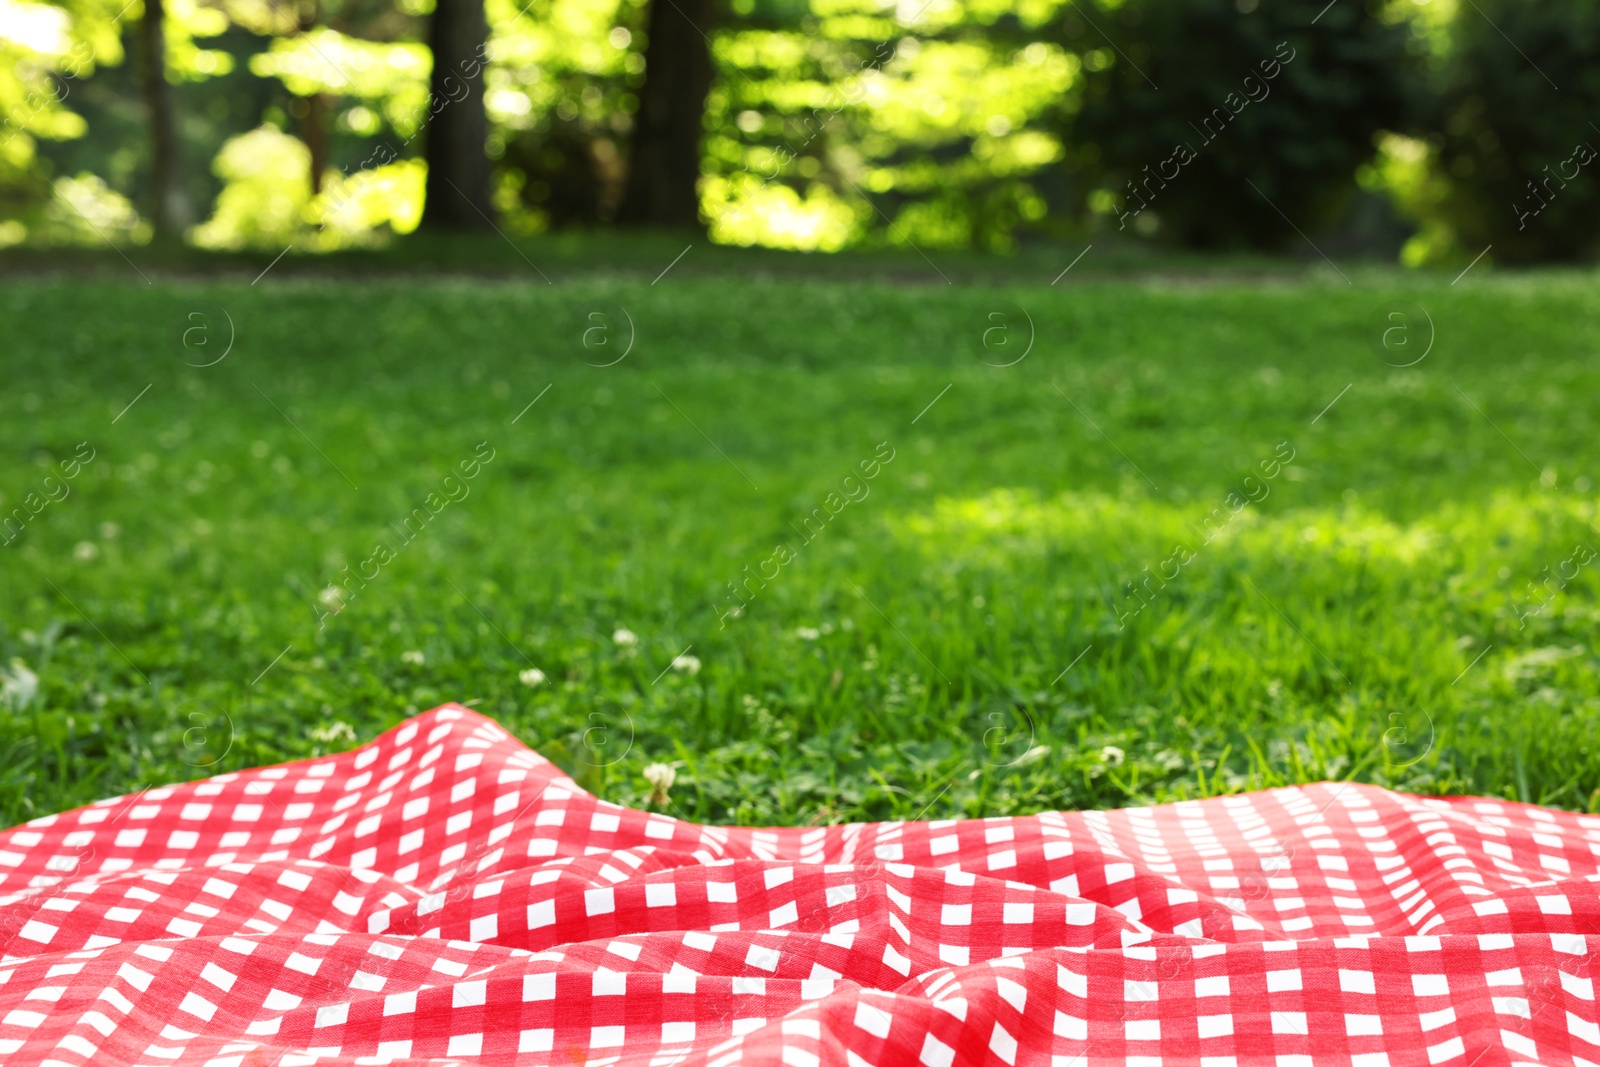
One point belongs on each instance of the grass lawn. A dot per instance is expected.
(1398, 590)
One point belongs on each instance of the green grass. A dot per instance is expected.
(1359, 621)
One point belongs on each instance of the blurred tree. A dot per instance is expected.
(561, 97)
(312, 108)
(171, 213)
(355, 74)
(812, 124)
(664, 157)
(48, 53)
(1190, 103)
(569, 170)
(1518, 157)
(838, 122)
(291, 29)
(457, 195)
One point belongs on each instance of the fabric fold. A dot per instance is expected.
(443, 894)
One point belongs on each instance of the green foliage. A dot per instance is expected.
(1188, 103)
(266, 200)
(843, 123)
(560, 98)
(1384, 614)
(1514, 132)
(856, 127)
(391, 76)
(46, 52)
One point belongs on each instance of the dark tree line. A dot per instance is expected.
(1265, 113)
(664, 166)
(665, 149)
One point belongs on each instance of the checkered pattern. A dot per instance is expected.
(445, 895)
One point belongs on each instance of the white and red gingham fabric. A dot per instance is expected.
(444, 895)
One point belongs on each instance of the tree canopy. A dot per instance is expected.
(804, 124)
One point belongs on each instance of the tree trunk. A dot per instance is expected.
(312, 110)
(664, 164)
(171, 213)
(457, 195)
(315, 130)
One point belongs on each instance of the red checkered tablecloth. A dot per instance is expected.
(446, 895)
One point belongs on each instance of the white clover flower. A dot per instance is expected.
(807, 633)
(18, 686)
(1112, 755)
(84, 551)
(660, 776)
(531, 677)
(625, 638)
(686, 665)
(330, 733)
(332, 598)
(413, 657)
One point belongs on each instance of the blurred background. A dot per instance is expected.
(1417, 131)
